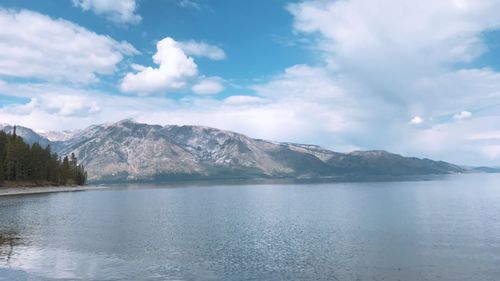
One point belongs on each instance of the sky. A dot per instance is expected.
(415, 77)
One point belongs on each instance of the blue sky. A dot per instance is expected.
(257, 42)
(414, 77)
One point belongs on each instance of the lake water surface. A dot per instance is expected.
(446, 229)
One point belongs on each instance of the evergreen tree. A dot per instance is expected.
(33, 164)
(65, 170)
(12, 158)
(2, 172)
(73, 168)
(3, 152)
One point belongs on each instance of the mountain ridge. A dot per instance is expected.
(132, 151)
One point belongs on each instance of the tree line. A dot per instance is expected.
(21, 163)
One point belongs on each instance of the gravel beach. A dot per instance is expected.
(44, 189)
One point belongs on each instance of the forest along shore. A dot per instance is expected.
(4, 191)
(22, 164)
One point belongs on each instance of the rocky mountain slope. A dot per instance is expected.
(132, 151)
(28, 134)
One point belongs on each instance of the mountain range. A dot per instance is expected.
(131, 151)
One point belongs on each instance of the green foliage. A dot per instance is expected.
(33, 164)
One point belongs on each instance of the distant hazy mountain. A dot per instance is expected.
(132, 151)
(57, 136)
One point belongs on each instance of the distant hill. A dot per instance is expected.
(127, 150)
(486, 169)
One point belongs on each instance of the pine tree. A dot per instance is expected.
(65, 171)
(3, 152)
(11, 158)
(73, 168)
(2, 173)
(34, 164)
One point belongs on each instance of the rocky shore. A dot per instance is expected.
(4, 191)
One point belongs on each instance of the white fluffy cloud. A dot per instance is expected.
(423, 32)
(400, 60)
(302, 81)
(33, 45)
(59, 105)
(118, 11)
(462, 115)
(209, 86)
(202, 49)
(174, 69)
(53, 99)
(416, 120)
(388, 46)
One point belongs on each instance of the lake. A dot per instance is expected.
(441, 229)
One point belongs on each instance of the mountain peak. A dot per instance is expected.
(129, 150)
(126, 122)
(372, 153)
(123, 122)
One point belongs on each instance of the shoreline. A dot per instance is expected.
(6, 191)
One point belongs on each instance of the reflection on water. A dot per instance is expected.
(429, 230)
(7, 242)
(64, 264)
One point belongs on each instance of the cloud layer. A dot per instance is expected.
(37, 46)
(410, 60)
(208, 86)
(202, 49)
(118, 11)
